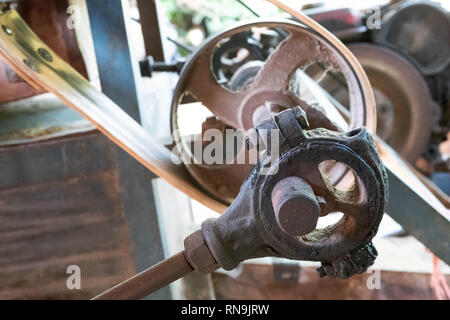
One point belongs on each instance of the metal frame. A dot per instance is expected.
(435, 221)
(151, 29)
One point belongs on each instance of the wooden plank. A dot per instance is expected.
(55, 212)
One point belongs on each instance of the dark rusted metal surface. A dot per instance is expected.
(252, 214)
(48, 18)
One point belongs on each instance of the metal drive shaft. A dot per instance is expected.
(150, 280)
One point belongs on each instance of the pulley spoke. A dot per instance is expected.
(203, 86)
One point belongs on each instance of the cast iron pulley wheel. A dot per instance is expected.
(241, 109)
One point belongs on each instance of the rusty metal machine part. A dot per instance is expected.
(418, 30)
(365, 88)
(149, 280)
(256, 211)
(395, 78)
(414, 36)
(243, 107)
(290, 194)
(227, 58)
(250, 227)
(405, 114)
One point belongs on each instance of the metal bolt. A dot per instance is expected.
(296, 208)
(149, 65)
(301, 117)
(31, 65)
(45, 54)
(7, 30)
